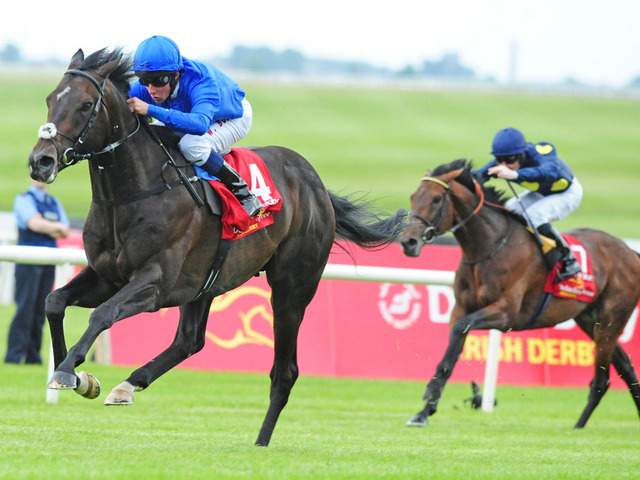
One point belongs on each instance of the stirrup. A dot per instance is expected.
(252, 205)
(569, 270)
(248, 201)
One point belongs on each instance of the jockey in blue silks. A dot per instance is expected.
(554, 193)
(206, 107)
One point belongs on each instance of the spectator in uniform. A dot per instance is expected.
(41, 220)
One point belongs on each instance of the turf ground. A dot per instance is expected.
(202, 425)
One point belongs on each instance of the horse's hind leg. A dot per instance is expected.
(189, 339)
(624, 367)
(608, 351)
(292, 291)
(605, 334)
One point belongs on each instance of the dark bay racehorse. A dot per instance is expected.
(149, 247)
(501, 276)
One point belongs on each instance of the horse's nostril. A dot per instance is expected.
(46, 162)
(409, 242)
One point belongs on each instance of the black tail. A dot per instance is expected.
(358, 223)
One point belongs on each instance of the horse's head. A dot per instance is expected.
(76, 122)
(433, 209)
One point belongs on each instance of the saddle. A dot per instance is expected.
(236, 223)
(548, 248)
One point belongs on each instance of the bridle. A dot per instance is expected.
(431, 228)
(70, 156)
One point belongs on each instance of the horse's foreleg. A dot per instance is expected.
(189, 339)
(84, 290)
(137, 296)
(433, 391)
(490, 317)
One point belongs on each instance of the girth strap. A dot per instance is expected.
(218, 262)
(543, 303)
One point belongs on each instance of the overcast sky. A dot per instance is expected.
(597, 42)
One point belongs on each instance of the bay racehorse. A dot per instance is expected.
(499, 281)
(148, 247)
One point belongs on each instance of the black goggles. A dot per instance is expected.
(508, 159)
(157, 81)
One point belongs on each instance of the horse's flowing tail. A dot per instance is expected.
(358, 223)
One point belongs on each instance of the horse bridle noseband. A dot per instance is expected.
(70, 155)
(431, 228)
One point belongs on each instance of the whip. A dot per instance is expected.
(526, 216)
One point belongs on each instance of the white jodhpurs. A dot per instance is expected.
(220, 136)
(551, 208)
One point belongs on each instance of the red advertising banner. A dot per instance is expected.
(368, 330)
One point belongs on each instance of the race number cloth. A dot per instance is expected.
(236, 222)
(579, 287)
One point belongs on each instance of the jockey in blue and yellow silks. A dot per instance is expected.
(554, 193)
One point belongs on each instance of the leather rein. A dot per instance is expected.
(431, 228)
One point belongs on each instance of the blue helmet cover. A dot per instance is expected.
(156, 54)
(508, 141)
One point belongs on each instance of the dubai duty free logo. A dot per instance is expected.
(399, 304)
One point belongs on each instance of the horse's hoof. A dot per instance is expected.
(89, 386)
(62, 381)
(120, 396)
(418, 421)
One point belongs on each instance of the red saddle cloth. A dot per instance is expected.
(236, 222)
(579, 287)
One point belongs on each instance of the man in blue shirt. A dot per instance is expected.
(554, 193)
(41, 220)
(202, 104)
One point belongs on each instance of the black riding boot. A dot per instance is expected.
(215, 165)
(239, 188)
(569, 266)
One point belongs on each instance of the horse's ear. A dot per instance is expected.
(105, 70)
(77, 59)
(452, 175)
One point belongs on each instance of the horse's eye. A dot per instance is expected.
(437, 199)
(86, 106)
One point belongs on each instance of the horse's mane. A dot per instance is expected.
(121, 76)
(466, 178)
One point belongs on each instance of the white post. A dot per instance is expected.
(491, 371)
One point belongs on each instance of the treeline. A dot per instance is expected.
(290, 61)
(264, 59)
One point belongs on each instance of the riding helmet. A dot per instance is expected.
(508, 141)
(157, 53)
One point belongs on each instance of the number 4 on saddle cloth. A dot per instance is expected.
(236, 222)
